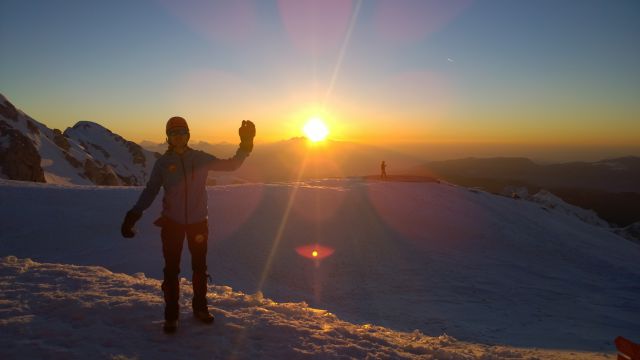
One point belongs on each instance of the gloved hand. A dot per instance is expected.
(130, 220)
(247, 132)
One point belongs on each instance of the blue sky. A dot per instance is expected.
(490, 71)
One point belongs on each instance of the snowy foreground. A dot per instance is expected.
(56, 311)
(399, 264)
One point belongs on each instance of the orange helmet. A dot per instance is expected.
(176, 122)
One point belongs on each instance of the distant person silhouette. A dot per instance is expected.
(182, 173)
(383, 170)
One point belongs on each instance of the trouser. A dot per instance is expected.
(172, 240)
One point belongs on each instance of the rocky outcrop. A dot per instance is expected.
(33, 128)
(73, 161)
(128, 180)
(19, 158)
(100, 175)
(88, 146)
(136, 152)
(60, 140)
(8, 110)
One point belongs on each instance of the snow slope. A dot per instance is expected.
(129, 160)
(433, 257)
(66, 311)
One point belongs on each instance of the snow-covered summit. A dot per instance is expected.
(129, 160)
(83, 155)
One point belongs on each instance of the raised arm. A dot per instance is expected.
(247, 132)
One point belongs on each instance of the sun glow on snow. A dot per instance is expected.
(315, 129)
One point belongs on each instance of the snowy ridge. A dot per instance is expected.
(55, 166)
(87, 154)
(67, 311)
(553, 202)
(631, 232)
(128, 159)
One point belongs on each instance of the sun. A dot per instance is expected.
(315, 129)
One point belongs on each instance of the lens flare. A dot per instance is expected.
(315, 251)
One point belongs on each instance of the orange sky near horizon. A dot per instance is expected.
(463, 73)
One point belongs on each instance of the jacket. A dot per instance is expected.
(184, 179)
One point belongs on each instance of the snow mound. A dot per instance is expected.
(631, 232)
(66, 311)
(553, 202)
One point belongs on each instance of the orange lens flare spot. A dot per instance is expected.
(314, 251)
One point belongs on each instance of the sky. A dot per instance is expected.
(469, 74)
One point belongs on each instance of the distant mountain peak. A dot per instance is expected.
(297, 138)
(501, 160)
(625, 163)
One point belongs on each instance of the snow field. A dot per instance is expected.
(59, 311)
(483, 269)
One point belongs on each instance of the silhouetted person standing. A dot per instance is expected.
(182, 173)
(383, 170)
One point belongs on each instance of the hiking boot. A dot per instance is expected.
(170, 326)
(204, 316)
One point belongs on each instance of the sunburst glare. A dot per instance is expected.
(315, 129)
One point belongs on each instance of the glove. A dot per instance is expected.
(247, 132)
(130, 220)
